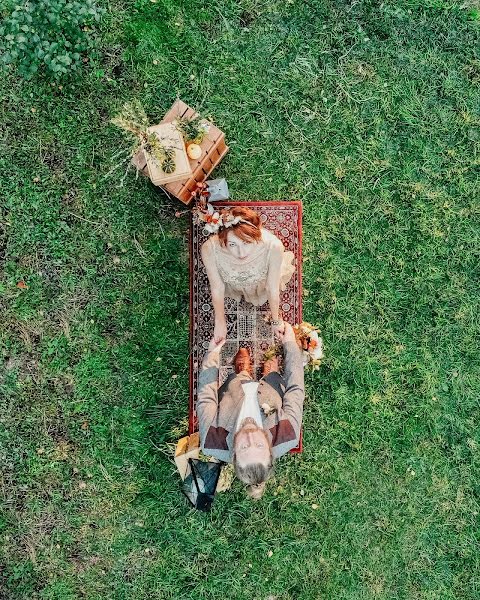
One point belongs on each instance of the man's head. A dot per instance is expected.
(252, 457)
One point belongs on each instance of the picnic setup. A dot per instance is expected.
(178, 155)
(239, 300)
(200, 147)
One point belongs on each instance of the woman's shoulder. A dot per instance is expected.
(209, 245)
(272, 240)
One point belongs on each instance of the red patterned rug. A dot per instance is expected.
(246, 323)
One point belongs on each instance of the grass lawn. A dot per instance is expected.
(369, 112)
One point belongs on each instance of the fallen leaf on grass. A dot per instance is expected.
(62, 450)
(22, 285)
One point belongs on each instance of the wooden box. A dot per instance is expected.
(187, 447)
(169, 136)
(213, 148)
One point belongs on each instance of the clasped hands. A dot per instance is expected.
(284, 333)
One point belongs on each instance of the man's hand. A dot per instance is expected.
(215, 346)
(287, 335)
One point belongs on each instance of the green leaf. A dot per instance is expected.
(48, 32)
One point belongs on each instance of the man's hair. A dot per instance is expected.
(254, 475)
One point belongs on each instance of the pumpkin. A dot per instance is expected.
(194, 151)
(168, 166)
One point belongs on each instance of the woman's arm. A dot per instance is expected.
(273, 279)
(217, 289)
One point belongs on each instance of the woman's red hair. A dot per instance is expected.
(248, 232)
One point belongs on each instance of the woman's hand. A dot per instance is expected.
(220, 332)
(278, 327)
(213, 346)
(287, 335)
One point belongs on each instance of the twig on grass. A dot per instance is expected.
(86, 220)
(163, 233)
(122, 180)
(137, 246)
(348, 51)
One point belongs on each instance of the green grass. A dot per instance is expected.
(370, 114)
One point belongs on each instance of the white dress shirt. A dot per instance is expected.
(250, 406)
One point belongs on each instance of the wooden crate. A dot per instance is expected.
(213, 148)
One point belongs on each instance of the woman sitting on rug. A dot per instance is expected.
(244, 259)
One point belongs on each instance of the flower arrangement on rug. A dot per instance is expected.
(309, 342)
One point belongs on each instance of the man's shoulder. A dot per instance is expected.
(283, 431)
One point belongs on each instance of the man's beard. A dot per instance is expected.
(253, 427)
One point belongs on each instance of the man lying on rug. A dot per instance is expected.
(251, 423)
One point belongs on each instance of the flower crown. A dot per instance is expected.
(213, 219)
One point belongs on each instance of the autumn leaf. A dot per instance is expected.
(22, 285)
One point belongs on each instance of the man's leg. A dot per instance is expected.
(272, 376)
(277, 382)
(242, 361)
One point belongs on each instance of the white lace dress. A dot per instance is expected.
(248, 277)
